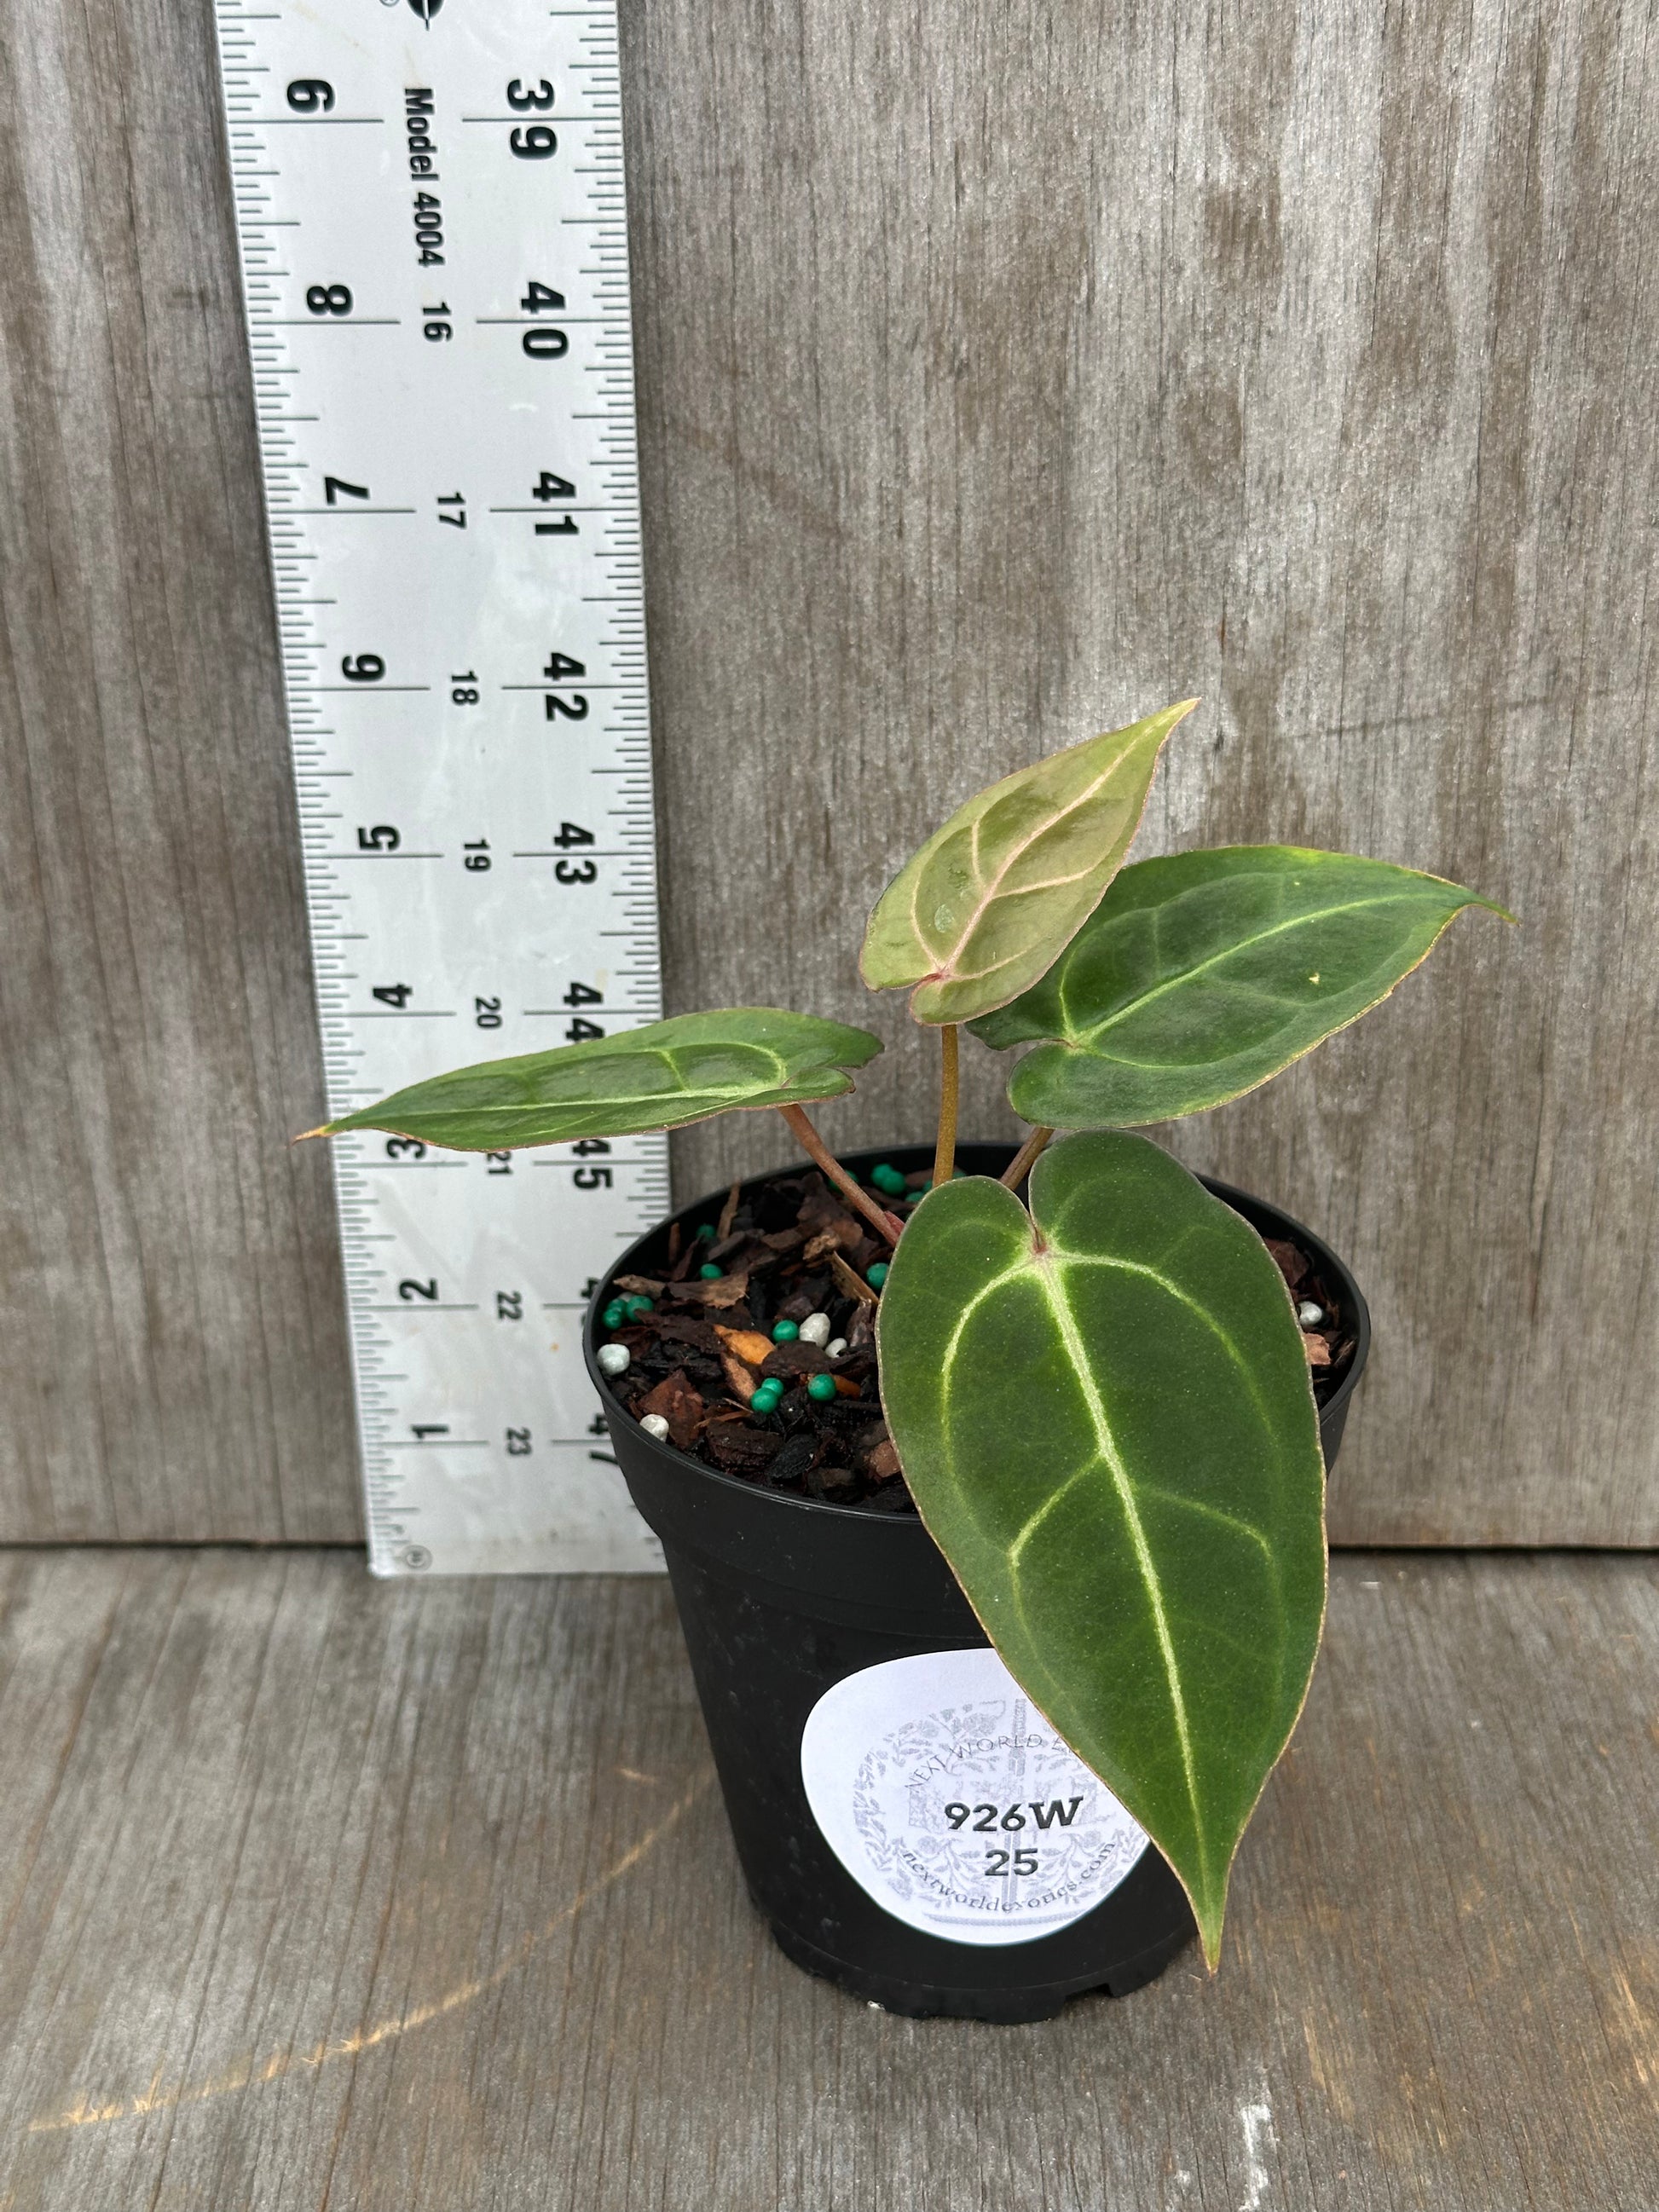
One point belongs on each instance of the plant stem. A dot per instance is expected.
(1024, 1160)
(944, 1157)
(819, 1153)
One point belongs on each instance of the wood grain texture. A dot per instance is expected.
(1004, 372)
(1008, 372)
(170, 1298)
(318, 1892)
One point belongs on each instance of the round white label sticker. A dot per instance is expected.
(948, 1797)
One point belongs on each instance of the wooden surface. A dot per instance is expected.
(316, 1892)
(1004, 372)
(170, 1297)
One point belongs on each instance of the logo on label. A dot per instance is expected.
(950, 1800)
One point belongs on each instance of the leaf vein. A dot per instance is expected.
(1066, 1322)
(1228, 952)
(1181, 1297)
(1015, 852)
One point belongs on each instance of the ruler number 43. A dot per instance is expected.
(567, 871)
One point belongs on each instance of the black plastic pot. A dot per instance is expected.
(781, 1599)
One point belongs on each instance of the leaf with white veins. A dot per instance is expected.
(1202, 975)
(1104, 1414)
(660, 1077)
(990, 901)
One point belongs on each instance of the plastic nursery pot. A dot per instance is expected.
(908, 1825)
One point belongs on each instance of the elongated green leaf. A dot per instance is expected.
(1200, 975)
(991, 899)
(659, 1077)
(1104, 1416)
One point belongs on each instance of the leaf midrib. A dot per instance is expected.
(1066, 1322)
(589, 1102)
(1035, 1264)
(990, 893)
(1087, 1036)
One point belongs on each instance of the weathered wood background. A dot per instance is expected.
(1004, 371)
(319, 1895)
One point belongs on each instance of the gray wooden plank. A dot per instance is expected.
(321, 1892)
(171, 1298)
(1001, 375)
(1005, 374)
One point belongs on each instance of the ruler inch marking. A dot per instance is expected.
(414, 222)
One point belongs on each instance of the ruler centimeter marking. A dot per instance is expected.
(429, 202)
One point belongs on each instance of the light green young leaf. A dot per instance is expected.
(660, 1077)
(993, 897)
(1200, 976)
(1105, 1415)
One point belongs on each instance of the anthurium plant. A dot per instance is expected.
(1099, 1395)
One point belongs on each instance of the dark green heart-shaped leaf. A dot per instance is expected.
(1200, 975)
(1105, 1415)
(659, 1077)
(990, 900)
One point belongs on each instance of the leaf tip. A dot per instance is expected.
(322, 1129)
(1169, 718)
(1210, 1912)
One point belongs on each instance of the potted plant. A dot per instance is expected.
(996, 1524)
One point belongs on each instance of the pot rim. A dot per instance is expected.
(1243, 1202)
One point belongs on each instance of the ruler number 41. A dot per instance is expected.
(550, 485)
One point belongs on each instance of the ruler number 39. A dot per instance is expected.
(534, 142)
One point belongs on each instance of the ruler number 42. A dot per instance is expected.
(559, 668)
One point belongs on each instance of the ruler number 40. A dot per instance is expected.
(542, 342)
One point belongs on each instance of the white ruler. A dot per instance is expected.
(430, 204)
